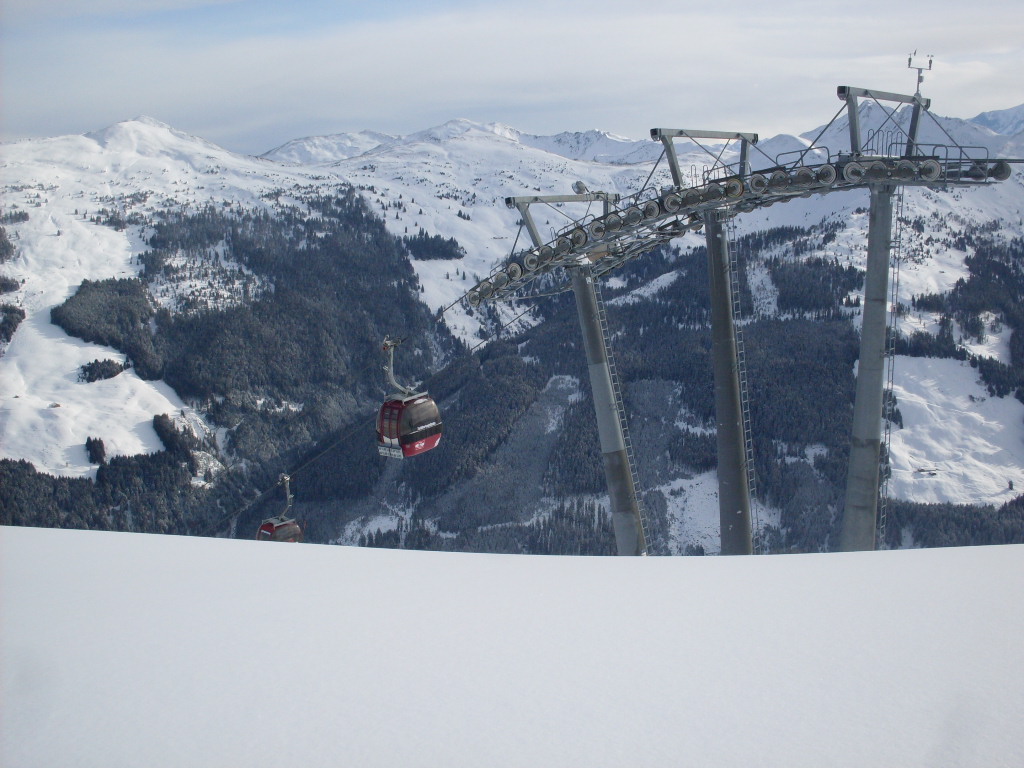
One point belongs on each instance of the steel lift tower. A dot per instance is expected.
(891, 156)
(627, 517)
(733, 472)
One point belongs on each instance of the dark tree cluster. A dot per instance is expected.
(116, 313)
(98, 370)
(13, 217)
(96, 450)
(10, 318)
(574, 528)
(955, 525)
(813, 285)
(423, 246)
(6, 246)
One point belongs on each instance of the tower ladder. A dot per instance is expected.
(889, 398)
(741, 370)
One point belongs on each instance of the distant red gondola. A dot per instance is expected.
(279, 528)
(409, 422)
(282, 527)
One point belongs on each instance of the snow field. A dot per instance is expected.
(957, 444)
(128, 649)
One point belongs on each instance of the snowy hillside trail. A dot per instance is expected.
(121, 650)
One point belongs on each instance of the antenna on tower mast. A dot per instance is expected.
(920, 69)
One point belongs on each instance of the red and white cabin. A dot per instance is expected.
(279, 528)
(408, 426)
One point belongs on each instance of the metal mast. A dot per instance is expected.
(858, 530)
(733, 475)
(860, 509)
(622, 492)
(733, 487)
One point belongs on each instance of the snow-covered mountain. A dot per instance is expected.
(320, 150)
(131, 169)
(450, 181)
(1009, 122)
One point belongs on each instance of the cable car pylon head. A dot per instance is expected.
(409, 422)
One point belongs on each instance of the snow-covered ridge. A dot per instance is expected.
(591, 146)
(1009, 122)
(596, 146)
(323, 150)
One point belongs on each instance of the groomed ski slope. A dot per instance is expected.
(139, 650)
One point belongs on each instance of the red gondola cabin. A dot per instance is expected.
(408, 426)
(279, 528)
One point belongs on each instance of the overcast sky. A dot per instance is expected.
(252, 74)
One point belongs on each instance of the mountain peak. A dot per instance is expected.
(145, 135)
(322, 150)
(1008, 122)
(447, 131)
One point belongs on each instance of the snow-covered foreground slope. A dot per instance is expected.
(131, 650)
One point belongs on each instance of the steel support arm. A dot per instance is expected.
(522, 204)
(851, 95)
(666, 135)
(846, 92)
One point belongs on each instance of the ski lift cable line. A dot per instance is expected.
(951, 139)
(501, 327)
(213, 527)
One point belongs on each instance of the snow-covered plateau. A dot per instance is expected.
(123, 650)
